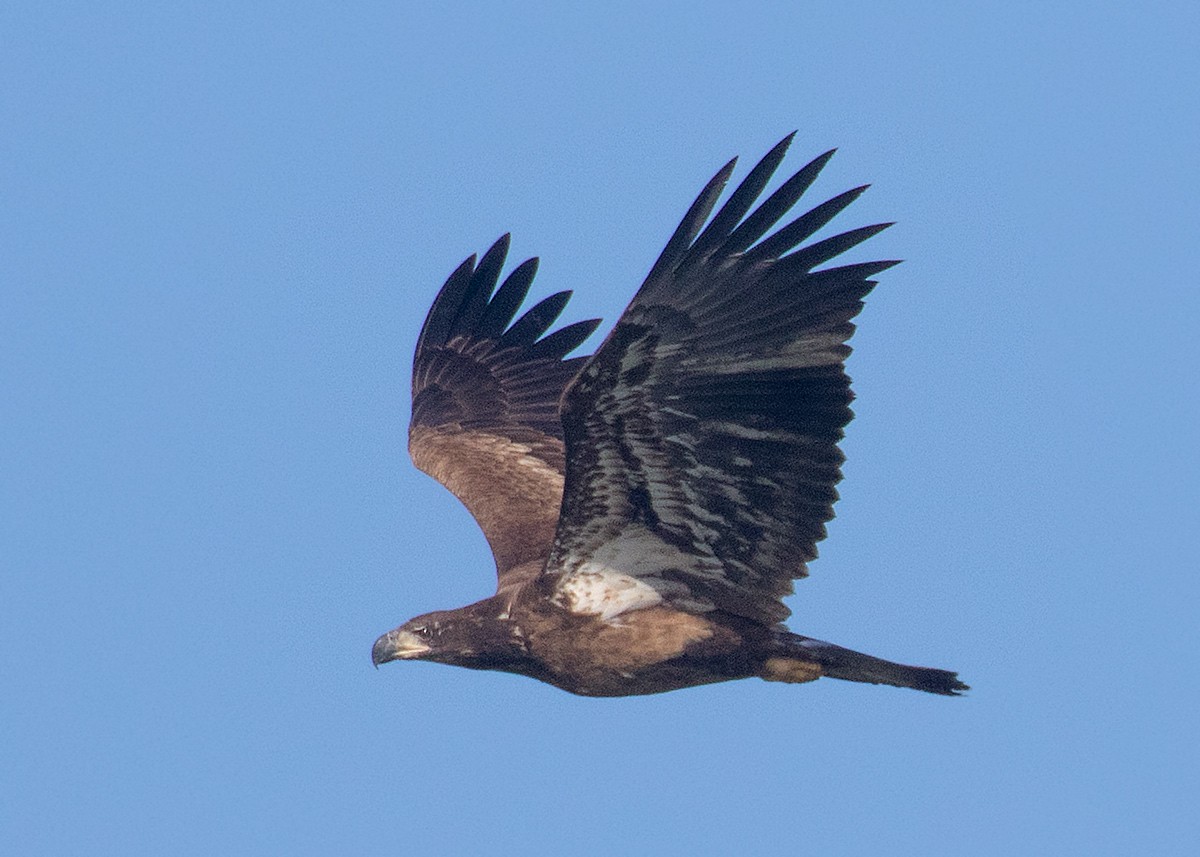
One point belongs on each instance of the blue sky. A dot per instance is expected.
(221, 227)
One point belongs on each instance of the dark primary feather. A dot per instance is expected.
(701, 439)
(485, 393)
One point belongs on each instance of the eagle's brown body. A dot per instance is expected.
(649, 506)
(650, 651)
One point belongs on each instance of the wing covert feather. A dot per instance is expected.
(485, 395)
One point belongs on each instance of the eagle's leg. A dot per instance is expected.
(792, 670)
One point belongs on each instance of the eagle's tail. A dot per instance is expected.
(836, 662)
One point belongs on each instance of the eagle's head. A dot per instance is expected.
(466, 637)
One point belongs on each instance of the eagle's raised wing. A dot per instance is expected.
(701, 438)
(485, 403)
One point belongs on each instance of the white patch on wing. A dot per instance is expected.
(605, 592)
(625, 573)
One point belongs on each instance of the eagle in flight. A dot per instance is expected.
(649, 506)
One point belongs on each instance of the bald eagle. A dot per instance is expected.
(649, 506)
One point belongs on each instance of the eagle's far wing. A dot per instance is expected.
(701, 438)
(485, 394)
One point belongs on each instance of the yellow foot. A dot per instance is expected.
(790, 670)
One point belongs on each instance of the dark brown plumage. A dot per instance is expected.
(649, 506)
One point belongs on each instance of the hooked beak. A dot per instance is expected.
(397, 645)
